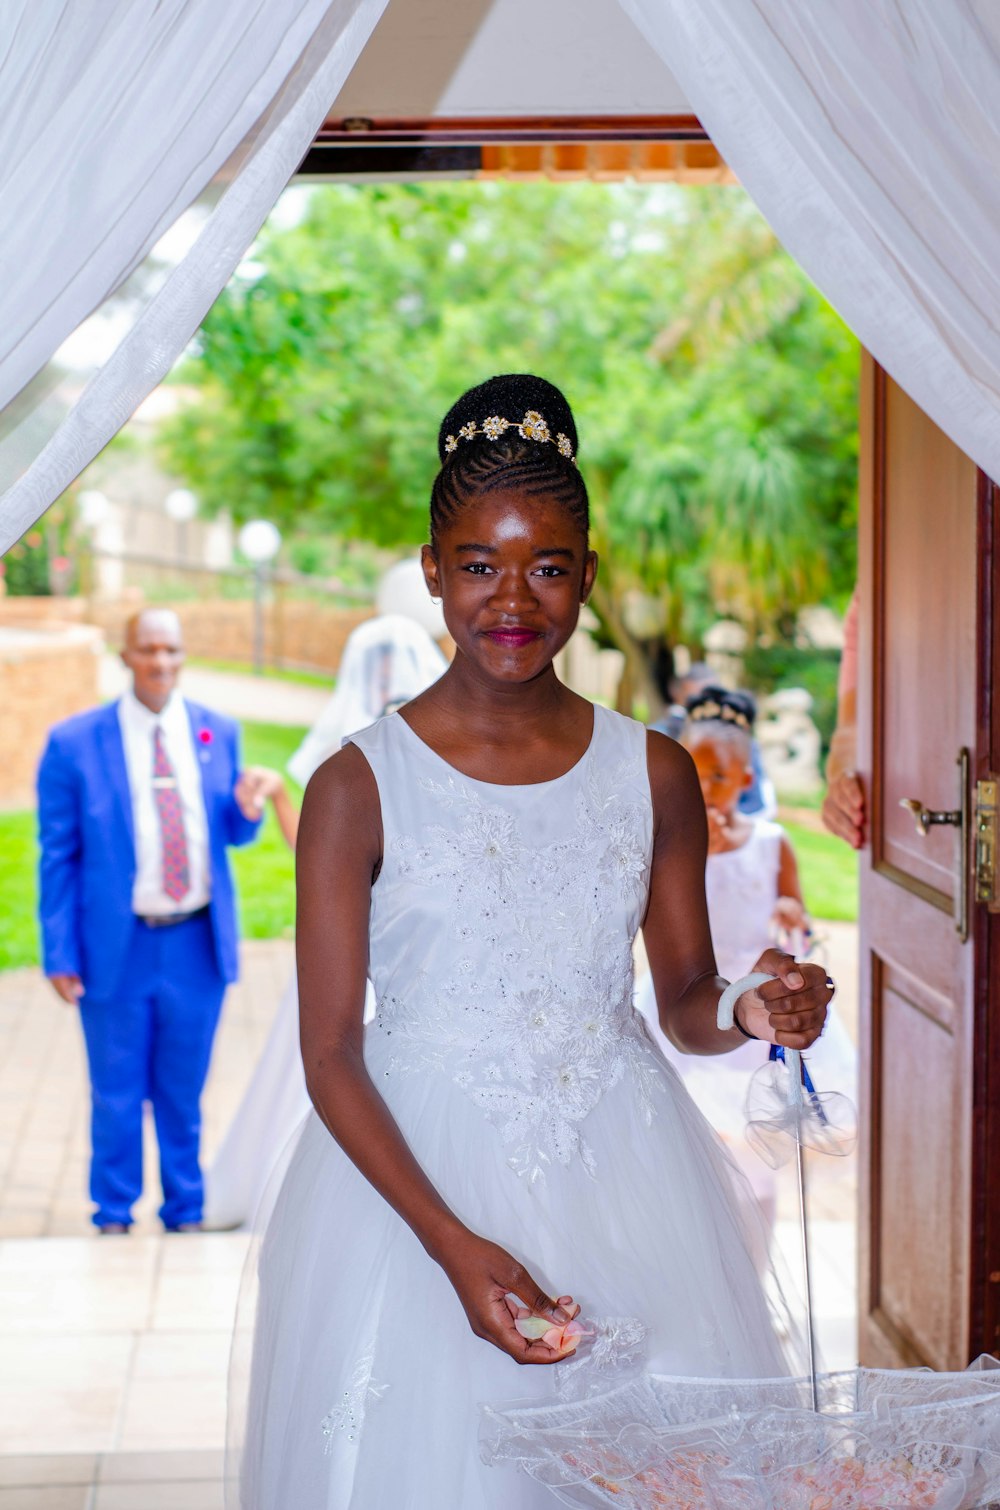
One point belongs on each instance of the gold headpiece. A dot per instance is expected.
(531, 427)
(725, 712)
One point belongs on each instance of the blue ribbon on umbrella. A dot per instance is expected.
(778, 1054)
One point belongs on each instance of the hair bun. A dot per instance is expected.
(510, 396)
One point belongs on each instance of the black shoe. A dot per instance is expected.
(113, 1229)
(186, 1227)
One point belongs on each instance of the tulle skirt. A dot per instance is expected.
(273, 1106)
(357, 1383)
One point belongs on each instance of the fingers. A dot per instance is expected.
(529, 1299)
(795, 1015)
(843, 810)
(786, 968)
(68, 987)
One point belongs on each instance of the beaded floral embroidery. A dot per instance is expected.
(345, 1419)
(537, 1044)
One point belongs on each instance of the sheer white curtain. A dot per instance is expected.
(142, 144)
(868, 133)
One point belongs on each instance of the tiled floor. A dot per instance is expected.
(44, 1095)
(120, 1481)
(113, 1351)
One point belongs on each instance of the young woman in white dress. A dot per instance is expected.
(505, 1127)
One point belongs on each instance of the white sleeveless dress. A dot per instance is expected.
(507, 1049)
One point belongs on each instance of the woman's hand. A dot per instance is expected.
(256, 784)
(791, 1010)
(724, 832)
(843, 810)
(483, 1275)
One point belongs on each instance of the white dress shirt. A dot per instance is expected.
(138, 725)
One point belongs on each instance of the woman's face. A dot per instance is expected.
(511, 571)
(723, 770)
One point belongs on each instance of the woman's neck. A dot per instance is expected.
(511, 734)
(500, 708)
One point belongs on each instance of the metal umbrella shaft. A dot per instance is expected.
(793, 1061)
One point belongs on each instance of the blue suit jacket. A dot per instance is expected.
(87, 865)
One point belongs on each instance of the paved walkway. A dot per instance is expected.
(260, 699)
(113, 1351)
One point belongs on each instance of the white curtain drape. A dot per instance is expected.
(142, 144)
(868, 133)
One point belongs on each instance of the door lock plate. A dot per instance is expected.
(986, 822)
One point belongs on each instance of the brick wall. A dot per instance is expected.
(46, 674)
(298, 633)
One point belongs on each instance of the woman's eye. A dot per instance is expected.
(477, 568)
(551, 571)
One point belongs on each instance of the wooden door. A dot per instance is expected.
(928, 1280)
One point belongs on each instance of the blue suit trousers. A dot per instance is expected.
(152, 1041)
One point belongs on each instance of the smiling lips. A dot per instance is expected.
(512, 639)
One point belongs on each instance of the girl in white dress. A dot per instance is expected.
(754, 897)
(505, 1127)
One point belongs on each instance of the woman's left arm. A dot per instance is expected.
(790, 1010)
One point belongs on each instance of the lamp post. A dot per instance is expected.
(93, 510)
(259, 540)
(181, 505)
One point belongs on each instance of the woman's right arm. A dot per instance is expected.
(337, 860)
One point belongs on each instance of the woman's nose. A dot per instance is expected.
(513, 592)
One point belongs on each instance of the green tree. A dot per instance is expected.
(715, 391)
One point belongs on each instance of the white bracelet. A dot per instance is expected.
(727, 1001)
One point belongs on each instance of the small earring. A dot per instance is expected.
(435, 600)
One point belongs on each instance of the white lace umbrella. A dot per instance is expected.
(892, 1439)
(865, 1439)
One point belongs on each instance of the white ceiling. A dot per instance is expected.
(508, 57)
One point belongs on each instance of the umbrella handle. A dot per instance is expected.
(726, 1018)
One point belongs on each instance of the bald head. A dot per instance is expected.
(154, 653)
(151, 621)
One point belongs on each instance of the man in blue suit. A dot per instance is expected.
(136, 808)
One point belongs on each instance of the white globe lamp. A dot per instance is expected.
(181, 504)
(260, 541)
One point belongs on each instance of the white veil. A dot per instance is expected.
(386, 661)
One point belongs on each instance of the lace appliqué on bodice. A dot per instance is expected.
(547, 1028)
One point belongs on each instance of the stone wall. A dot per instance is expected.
(47, 672)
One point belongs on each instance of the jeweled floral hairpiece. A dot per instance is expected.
(532, 427)
(725, 712)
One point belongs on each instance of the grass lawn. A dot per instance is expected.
(265, 870)
(828, 870)
(324, 679)
(18, 890)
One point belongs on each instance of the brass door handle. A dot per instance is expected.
(924, 817)
(959, 818)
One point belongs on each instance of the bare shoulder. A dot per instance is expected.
(342, 794)
(673, 785)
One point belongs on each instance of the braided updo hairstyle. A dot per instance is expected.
(477, 466)
(720, 712)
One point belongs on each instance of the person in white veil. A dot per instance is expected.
(386, 661)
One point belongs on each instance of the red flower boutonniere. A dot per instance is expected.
(206, 736)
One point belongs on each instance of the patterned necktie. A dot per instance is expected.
(173, 840)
